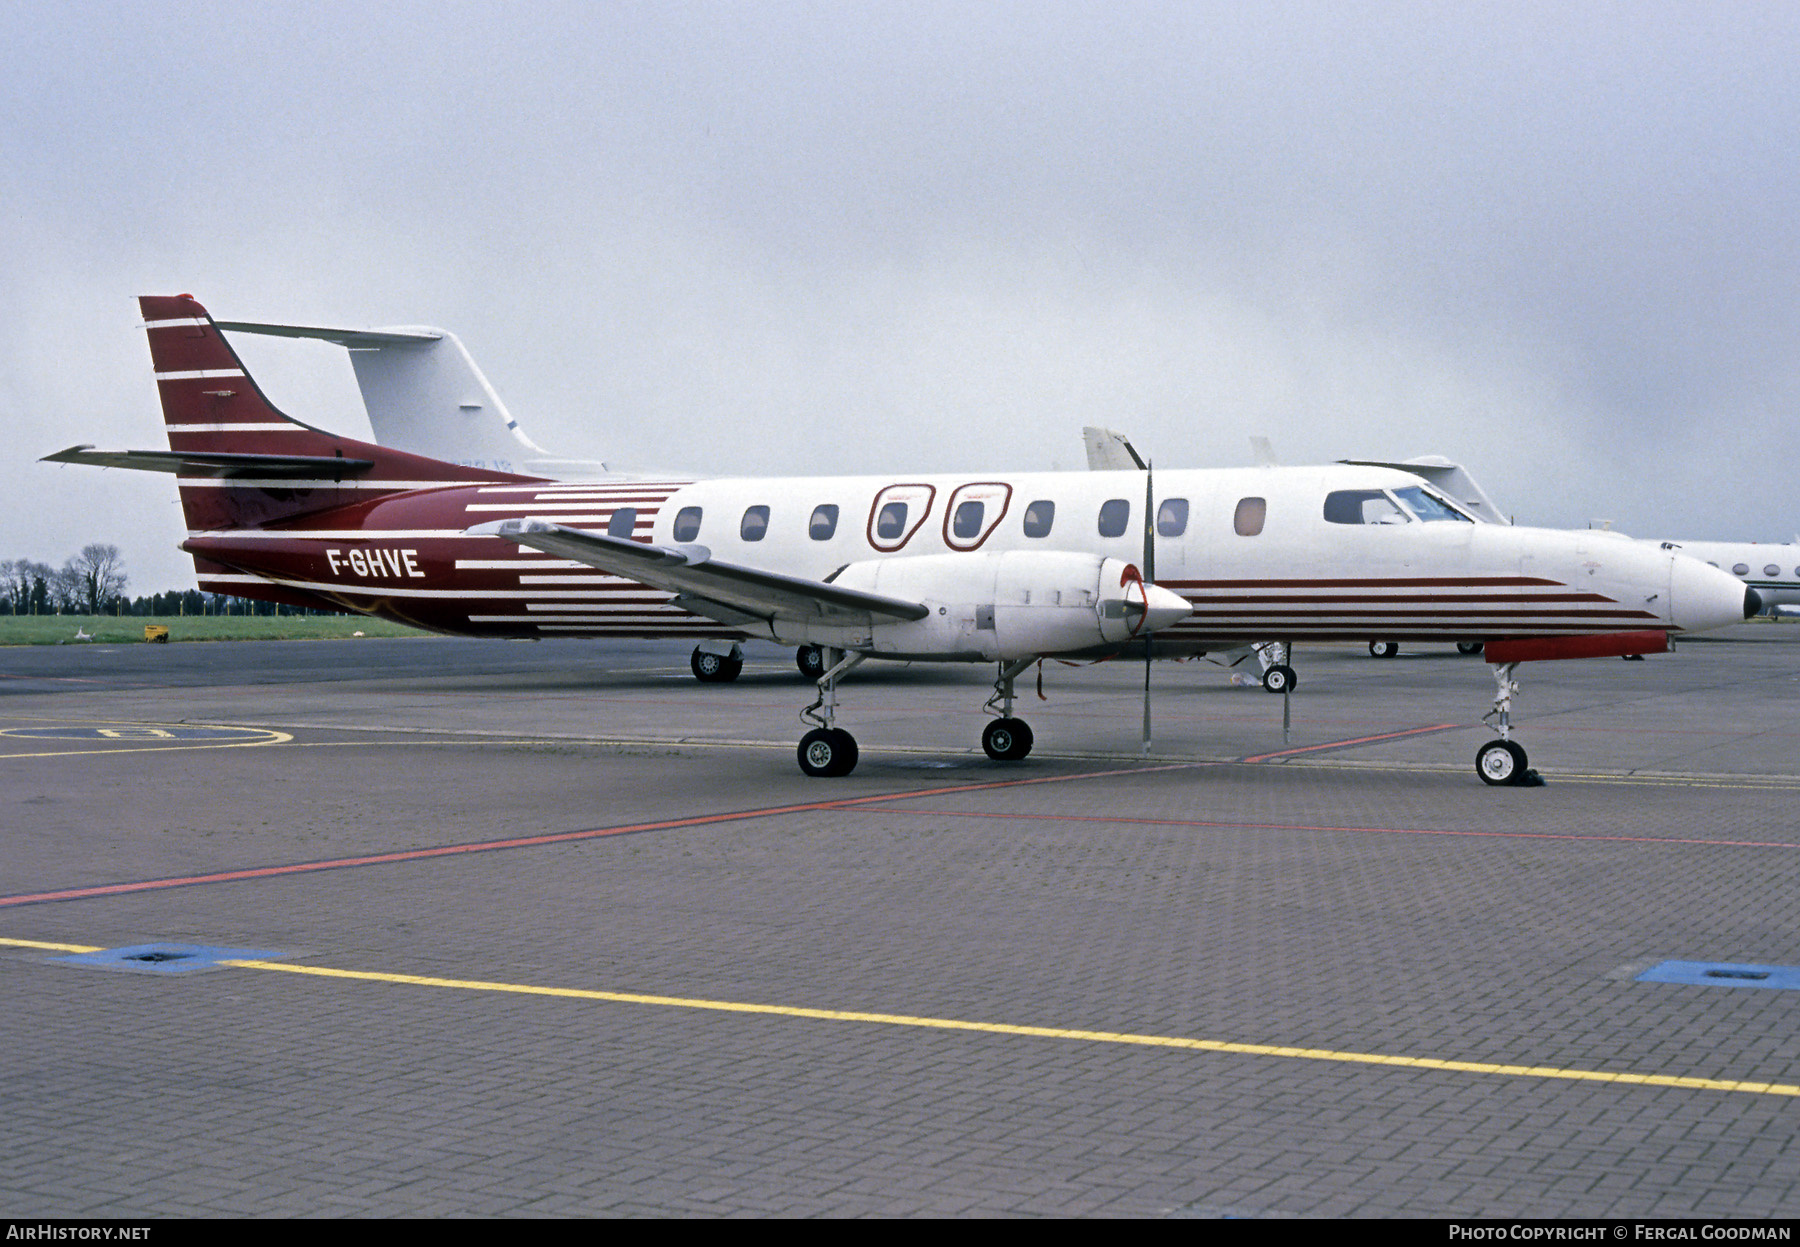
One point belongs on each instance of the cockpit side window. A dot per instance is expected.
(1362, 506)
(1428, 506)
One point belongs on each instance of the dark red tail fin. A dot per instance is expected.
(211, 407)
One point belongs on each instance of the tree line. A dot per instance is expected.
(94, 583)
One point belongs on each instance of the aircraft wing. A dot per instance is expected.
(214, 463)
(729, 592)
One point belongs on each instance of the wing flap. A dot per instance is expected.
(705, 584)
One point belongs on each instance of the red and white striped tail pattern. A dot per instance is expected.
(209, 403)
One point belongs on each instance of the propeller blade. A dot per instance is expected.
(1149, 581)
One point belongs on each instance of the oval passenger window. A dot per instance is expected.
(891, 522)
(756, 523)
(1740, 569)
(1171, 517)
(687, 523)
(967, 522)
(1249, 517)
(1115, 517)
(1039, 516)
(824, 523)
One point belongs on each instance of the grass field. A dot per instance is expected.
(61, 629)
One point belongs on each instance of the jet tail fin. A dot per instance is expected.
(223, 432)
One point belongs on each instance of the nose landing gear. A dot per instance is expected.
(1503, 762)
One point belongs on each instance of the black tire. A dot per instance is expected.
(811, 661)
(1501, 762)
(1006, 740)
(827, 752)
(715, 668)
(1280, 679)
(1470, 648)
(1383, 649)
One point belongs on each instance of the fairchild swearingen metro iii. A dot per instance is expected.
(1003, 568)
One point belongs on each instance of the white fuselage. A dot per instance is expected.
(1252, 549)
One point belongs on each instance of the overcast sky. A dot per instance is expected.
(1556, 243)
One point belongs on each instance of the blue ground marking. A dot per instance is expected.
(1723, 974)
(166, 958)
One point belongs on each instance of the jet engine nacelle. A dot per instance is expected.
(998, 607)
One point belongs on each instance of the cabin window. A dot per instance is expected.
(687, 523)
(823, 525)
(1247, 520)
(966, 524)
(756, 523)
(1115, 517)
(622, 522)
(1429, 507)
(1740, 569)
(1171, 517)
(891, 522)
(1771, 570)
(1362, 506)
(1039, 516)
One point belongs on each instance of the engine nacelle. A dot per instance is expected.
(998, 607)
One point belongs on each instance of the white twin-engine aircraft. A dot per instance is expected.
(1002, 568)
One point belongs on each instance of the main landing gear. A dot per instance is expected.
(1277, 676)
(711, 667)
(829, 751)
(1503, 762)
(1006, 739)
(1383, 649)
(811, 661)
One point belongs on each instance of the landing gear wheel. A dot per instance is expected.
(1468, 647)
(1280, 679)
(827, 752)
(1503, 762)
(811, 661)
(1383, 649)
(1006, 740)
(715, 668)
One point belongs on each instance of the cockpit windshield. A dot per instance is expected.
(1428, 506)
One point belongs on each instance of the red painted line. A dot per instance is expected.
(1385, 831)
(1359, 740)
(559, 837)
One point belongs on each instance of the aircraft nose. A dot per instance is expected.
(1702, 596)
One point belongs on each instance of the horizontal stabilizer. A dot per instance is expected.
(352, 338)
(690, 570)
(216, 463)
